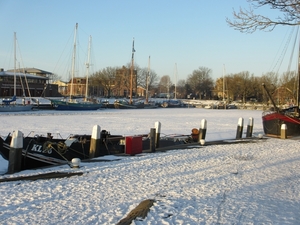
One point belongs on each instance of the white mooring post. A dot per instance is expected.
(239, 131)
(202, 130)
(95, 142)
(15, 153)
(157, 135)
(250, 127)
(283, 132)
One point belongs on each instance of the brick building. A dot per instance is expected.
(29, 82)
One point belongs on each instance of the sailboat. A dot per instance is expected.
(148, 103)
(123, 103)
(74, 104)
(10, 105)
(287, 119)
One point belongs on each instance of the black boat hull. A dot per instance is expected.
(42, 151)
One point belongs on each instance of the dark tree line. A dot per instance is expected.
(199, 83)
(242, 86)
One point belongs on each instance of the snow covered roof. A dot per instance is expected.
(7, 73)
(32, 70)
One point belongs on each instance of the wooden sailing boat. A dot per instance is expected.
(74, 104)
(287, 119)
(10, 105)
(123, 103)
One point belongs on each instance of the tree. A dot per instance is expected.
(257, 89)
(181, 89)
(201, 83)
(241, 86)
(55, 77)
(142, 78)
(165, 84)
(289, 82)
(104, 79)
(246, 21)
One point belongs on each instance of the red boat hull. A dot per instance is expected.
(272, 122)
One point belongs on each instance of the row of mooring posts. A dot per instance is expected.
(240, 126)
(16, 145)
(155, 132)
(239, 132)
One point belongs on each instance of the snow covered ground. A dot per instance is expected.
(254, 183)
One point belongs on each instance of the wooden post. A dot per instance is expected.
(202, 130)
(15, 153)
(95, 142)
(283, 133)
(152, 139)
(250, 127)
(157, 136)
(239, 131)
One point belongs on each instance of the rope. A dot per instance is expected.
(62, 148)
(49, 146)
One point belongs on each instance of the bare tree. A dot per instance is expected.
(246, 21)
(181, 89)
(240, 86)
(143, 73)
(105, 79)
(165, 84)
(200, 82)
(289, 81)
(55, 77)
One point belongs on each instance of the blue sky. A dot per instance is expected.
(190, 34)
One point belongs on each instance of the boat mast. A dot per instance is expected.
(270, 97)
(168, 87)
(131, 73)
(73, 60)
(87, 69)
(298, 77)
(223, 82)
(147, 79)
(15, 66)
(175, 79)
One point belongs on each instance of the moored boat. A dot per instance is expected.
(173, 103)
(11, 105)
(71, 103)
(274, 119)
(39, 150)
(124, 104)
